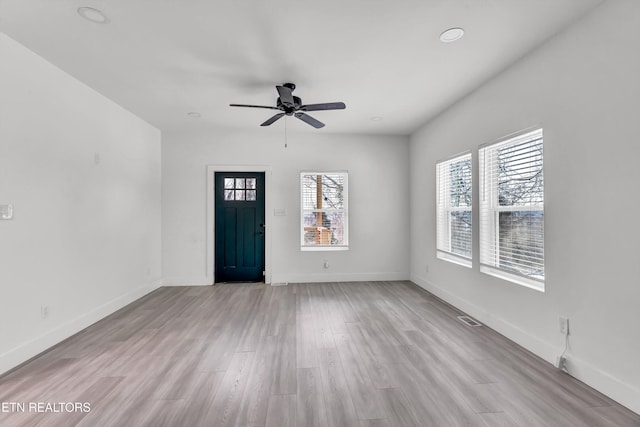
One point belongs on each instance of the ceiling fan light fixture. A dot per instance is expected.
(451, 35)
(93, 15)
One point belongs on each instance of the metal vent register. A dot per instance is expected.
(469, 321)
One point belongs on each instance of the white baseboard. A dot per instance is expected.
(541, 348)
(297, 278)
(186, 281)
(337, 277)
(25, 351)
(595, 377)
(623, 393)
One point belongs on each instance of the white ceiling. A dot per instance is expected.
(161, 59)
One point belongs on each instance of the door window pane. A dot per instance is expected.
(239, 189)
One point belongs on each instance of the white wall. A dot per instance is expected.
(378, 200)
(583, 87)
(85, 239)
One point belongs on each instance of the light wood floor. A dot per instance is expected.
(338, 354)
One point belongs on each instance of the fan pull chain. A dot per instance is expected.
(286, 142)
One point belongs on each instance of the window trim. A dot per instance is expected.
(446, 210)
(311, 248)
(488, 209)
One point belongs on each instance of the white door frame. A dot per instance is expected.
(211, 200)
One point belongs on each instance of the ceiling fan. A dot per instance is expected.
(292, 106)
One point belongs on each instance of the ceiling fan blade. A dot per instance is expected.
(310, 120)
(325, 106)
(286, 97)
(272, 119)
(253, 106)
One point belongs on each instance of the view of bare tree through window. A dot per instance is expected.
(521, 214)
(460, 197)
(323, 207)
(512, 209)
(454, 207)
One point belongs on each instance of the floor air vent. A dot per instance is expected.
(469, 321)
(280, 284)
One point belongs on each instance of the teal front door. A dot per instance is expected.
(239, 226)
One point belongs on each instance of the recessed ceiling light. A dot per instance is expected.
(194, 114)
(93, 15)
(451, 35)
(376, 118)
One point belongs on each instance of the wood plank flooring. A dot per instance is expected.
(322, 354)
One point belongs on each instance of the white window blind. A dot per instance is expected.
(454, 209)
(512, 209)
(324, 214)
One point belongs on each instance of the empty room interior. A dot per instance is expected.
(319, 214)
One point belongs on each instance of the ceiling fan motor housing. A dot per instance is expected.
(289, 110)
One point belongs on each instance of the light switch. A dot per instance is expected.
(280, 212)
(6, 211)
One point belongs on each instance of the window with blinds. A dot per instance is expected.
(454, 209)
(512, 209)
(324, 220)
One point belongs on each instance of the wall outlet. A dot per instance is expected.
(6, 211)
(326, 264)
(426, 268)
(44, 311)
(564, 325)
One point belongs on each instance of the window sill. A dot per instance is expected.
(323, 248)
(446, 256)
(519, 280)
